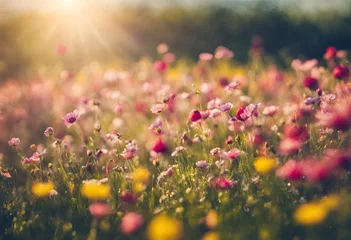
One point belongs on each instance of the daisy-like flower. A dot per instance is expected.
(157, 108)
(49, 131)
(71, 118)
(202, 164)
(270, 110)
(226, 106)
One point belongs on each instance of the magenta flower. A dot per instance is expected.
(160, 146)
(131, 222)
(310, 83)
(223, 183)
(14, 142)
(242, 114)
(195, 115)
(100, 210)
(71, 118)
(341, 72)
(128, 197)
(160, 66)
(291, 170)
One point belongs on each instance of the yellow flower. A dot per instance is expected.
(211, 236)
(163, 227)
(331, 202)
(141, 175)
(95, 191)
(311, 214)
(264, 165)
(138, 187)
(211, 219)
(42, 189)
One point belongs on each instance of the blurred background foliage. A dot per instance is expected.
(100, 33)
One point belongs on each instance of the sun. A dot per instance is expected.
(68, 4)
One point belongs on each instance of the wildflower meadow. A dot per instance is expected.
(168, 149)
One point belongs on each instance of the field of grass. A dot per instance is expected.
(166, 149)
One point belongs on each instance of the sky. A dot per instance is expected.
(306, 5)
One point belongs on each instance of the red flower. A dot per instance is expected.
(341, 72)
(160, 146)
(223, 81)
(310, 83)
(195, 115)
(128, 197)
(330, 53)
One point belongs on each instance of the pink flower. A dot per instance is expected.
(164, 174)
(270, 110)
(223, 183)
(49, 131)
(160, 66)
(341, 72)
(71, 118)
(162, 48)
(215, 113)
(202, 164)
(157, 108)
(295, 132)
(100, 210)
(316, 171)
(291, 170)
(160, 146)
(231, 86)
(223, 53)
(61, 49)
(130, 151)
(195, 115)
(205, 114)
(226, 106)
(233, 154)
(169, 57)
(330, 53)
(131, 222)
(206, 57)
(14, 142)
(290, 146)
(337, 158)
